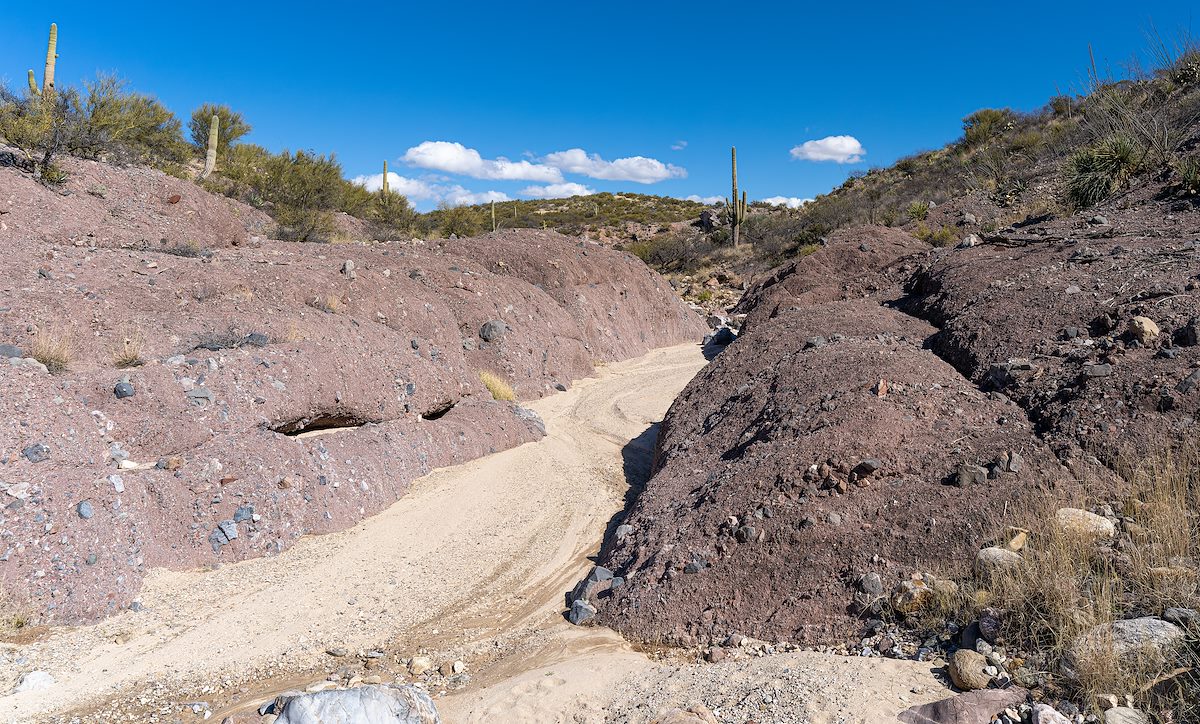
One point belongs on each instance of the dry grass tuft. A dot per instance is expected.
(129, 347)
(330, 303)
(53, 347)
(496, 385)
(1068, 585)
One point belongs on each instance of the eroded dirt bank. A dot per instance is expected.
(187, 361)
(471, 564)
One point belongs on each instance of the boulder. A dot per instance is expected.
(966, 669)
(994, 560)
(1131, 641)
(1125, 715)
(1081, 523)
(363, 705)
(973, 707)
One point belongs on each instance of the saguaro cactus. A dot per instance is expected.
(735, 207)
(493, 216)
(385, 179)
(210, 158)
(51, 57)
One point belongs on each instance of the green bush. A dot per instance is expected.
(460, 221)
(918, 210)
(40, 128)
(1189, 176)
(984, 125)
(231, 127)
(123, 128)
(304, 190)
(1094, 173)
(391, 211)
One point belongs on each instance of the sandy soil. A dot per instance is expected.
(474, 561)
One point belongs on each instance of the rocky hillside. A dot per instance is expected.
(181, 391)
(890, 410)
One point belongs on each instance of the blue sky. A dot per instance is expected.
(518, 99)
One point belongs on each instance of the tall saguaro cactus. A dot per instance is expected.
(494, 216)
(385, 178)
(210, 158)
(51, 58)
(736, 208)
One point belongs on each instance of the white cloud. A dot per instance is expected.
(634, 168)
(410, 187)
(456, 158)
(420, 190)
(679, 145)
(706, 200)
(839, 149)
(458, 196)
(557, 191)
(789, 201)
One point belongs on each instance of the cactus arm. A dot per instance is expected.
(33, 87)
(210, 158)
(51, 57)
(385, 179)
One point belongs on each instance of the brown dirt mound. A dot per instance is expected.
(106, 206)
(247, 349)
(852, 263)
(753, 523)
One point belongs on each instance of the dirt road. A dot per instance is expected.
(472, 563)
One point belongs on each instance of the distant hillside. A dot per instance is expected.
(574, 215)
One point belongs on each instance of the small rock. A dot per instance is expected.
(993, 560)
(1097, 371)
(1125, 715)
(870, 583)
(966, 669)
(1144, 329)
(1074, 521)
(493, 330)
(10, 351)
(33, 681)
(1133, 641)
(968, 475)
(419, 665)
(1098, 221)
(122, 390)
(348, 269)
(243, 513)
(1185, 617)
(1046, 714)
(582, 613)
(36, 453)
(866, 468)
(85, 510)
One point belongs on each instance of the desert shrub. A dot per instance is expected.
(356, 200)
(41, 128)
(497, 385)
(231, 127)
(1095, 172)
(944, 236)
(123, 127)
(889, 216)
(460, 221)
(918, 210)
(922, 231)
(391, 211)
(53, 347)
(304, 189)
(1061, 106)
(1189, 176)
(984, 125)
